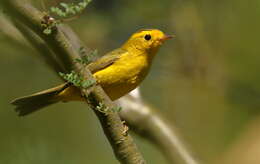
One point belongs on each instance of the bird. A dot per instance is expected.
(117, 72)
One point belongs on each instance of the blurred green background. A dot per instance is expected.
(205, 81)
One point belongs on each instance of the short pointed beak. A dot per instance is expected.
(167, 37)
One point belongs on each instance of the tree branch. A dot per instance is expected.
(124, 148)
(141, 117)
(148, 123)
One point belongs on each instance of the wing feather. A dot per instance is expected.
(105, 60)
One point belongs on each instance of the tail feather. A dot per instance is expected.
(29, 104)
(30, 108)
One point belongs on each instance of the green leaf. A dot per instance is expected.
(47, 31)
(64, 5)
(102, 108)
(70, 9)
(88, 83)
(117, 109)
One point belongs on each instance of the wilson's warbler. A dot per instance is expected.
(118, 72)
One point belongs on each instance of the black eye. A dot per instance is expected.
(147, 37)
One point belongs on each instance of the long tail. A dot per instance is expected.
(28, 104)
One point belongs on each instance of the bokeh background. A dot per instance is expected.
(206, 82)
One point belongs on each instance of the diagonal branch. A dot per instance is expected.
(141, 117)
(124, 148)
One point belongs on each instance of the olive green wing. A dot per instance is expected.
(106, 60)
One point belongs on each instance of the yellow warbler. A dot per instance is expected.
(118, 72)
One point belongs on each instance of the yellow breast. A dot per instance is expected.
(124, 75)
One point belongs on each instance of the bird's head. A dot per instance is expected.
(147, 40)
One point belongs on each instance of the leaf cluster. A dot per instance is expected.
(86, 59)
(104, 109)
(63, 11)
(69, 9)
(77, 80)
(48, 23)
